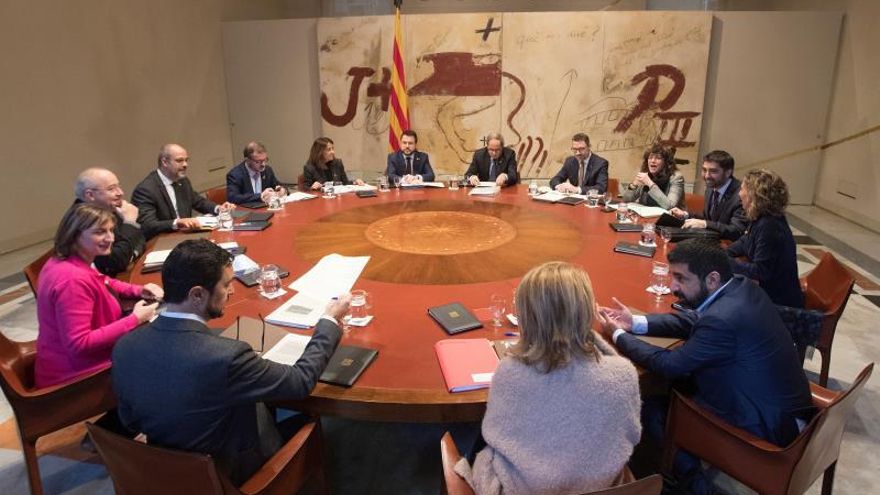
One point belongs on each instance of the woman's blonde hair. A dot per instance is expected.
(768, 192)
(555, 305)
(78, 219)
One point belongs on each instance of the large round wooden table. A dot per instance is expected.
(429, 247)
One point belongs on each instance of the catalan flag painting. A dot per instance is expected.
(398, 111)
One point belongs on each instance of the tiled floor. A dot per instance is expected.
(403, 458)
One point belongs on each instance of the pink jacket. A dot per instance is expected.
(79, 318)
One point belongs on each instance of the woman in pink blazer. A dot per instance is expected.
(78, 308)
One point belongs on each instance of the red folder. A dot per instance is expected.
(467, 364)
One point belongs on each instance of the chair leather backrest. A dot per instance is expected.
(694, 203)
(828, 285)
(217, 195)
(823, 447)
(16, 368)
(614, 186)
(32, 271)
(138, 468)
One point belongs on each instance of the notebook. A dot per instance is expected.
(454, 318)
(347, 364)
(466, 364)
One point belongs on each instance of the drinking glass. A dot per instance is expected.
(360, 304)
(383, 183)
(275, 201)
(592, 198)
(648, 235)
(659, 279)
(666, 235)
(328, 190)
(454, 182)
(270, 283)
(397, 181)
(224, 218)
(622, 215)
(533, 188)
(498, 306)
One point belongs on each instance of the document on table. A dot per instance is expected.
(646, 211)
(208, 222)
(300, 311)
(331, 277)
(354, 188)
(288, 350)
(486, 183)
(156, 257)
(297, 196)
(485, 191)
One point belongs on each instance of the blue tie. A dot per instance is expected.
(492, 174)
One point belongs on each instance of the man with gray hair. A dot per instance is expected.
(100, 187)
(494, 163)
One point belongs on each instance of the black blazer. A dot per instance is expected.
(595, 175)
(420, 162)
(238, 184)
(155, 211)
(728, 219)
(188, 389)
(128, 245)
(771, 255)
(741, 358)
(334, 171)
(506, 165)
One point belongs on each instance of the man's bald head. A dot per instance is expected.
(99, 186)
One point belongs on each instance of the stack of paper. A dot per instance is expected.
(353, 188)
(331, 277)
(297, 196)
(206, 222)
(155, 259)
(485, 191)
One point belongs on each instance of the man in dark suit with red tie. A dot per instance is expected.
(494, 163)
(165, 198)
(723, 211)
(253, 181)
(583, 171)
(410, 165)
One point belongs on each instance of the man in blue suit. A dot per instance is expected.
(582, 171)
(252, 181)
(737, 352)
(410, 165)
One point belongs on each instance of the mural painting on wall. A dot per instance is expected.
(626, 79)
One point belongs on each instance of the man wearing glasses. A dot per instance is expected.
(100, 187)
(582, 171)
(252, 181)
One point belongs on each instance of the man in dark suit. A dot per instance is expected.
(737, 352)
(252, 180)
(166, 199)
(583, 171)
(188, 389)
(99, 186)
(408, 164)
(723, 211)
(494, 163)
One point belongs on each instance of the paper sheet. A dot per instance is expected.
(288, 350)
(331, 277)
(297, 196)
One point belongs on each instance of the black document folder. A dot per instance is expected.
(259, 216)
(454, 318)
(626, 227)
(571, 200)
(667, 220)
(248, 225)
(254, 204)
(252, 278)
(347, 364)
(636, 249)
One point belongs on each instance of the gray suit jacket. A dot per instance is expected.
(188, 389)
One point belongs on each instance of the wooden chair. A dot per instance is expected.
(216, 195)
(42, 411)
(138, 468)
(32, 271)
(453, 484)
(761, 465)
(694, 203)
(827, 288)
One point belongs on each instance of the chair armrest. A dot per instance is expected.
(453, 484)
(288, 469)
(822, 397)
(737, 452)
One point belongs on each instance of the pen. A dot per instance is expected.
(511, 334)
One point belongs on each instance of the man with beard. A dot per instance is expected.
(189, 389)
(723, 210)
(737, 353)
